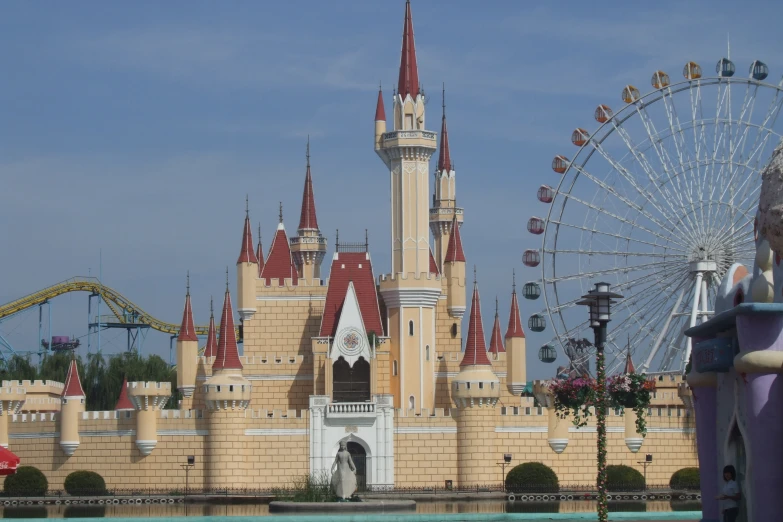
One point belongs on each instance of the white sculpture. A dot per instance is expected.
(771, 201)
(343, 473)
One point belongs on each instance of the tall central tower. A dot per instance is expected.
(410, 292)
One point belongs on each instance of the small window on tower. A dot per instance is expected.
(394, 368)
(410, 328)
(411, 403)
(409, 122)
(427, 352)
(454, 329)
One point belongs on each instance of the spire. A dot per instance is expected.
(260, 253)
(495, 340)
(73, 385)
(124, 403)
(454, 251)
(307, 219)
(186, 330)
(409, 70)
(444, 161)
(380, 112)
(246, 255)
(211, 349)
(629, 367)
(227, 356)
(475, 346)
(280, 216)
(514, 322)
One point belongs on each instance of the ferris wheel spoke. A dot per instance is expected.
(616, 236)
(608, 271)
(617, 253)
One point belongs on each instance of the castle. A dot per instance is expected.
(376, 363)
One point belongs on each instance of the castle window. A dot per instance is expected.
(481, 386)
(457, 384)
(409, 122)
(454, 329)
(394, 368)
(649, 412)
(660, 411)
(492, 385)
(231, 388)
(516, 410)
(427, 352)
(539, 411)
(527, 410)
(503, 410)
(410, 328)
(411, 403)
(468, 385)
(218, 388)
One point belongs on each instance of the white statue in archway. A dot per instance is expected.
(343, 473)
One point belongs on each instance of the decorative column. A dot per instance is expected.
(557, 428)
(148, 398)
(318, 404)
(633, 439)
(760, 362)
(705, 408)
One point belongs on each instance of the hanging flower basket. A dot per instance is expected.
(631, 391)
(574, 396)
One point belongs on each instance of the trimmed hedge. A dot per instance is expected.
(532, 477)
(26, 482)
(620, 477)
(685, 478)
(85, 483)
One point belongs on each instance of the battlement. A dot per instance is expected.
(288, 283)
(410, 276)
(272, 358)
(181, 414)
(139, 387)
(425, 413)
(107, 415)
(34, 417)
(37, 386)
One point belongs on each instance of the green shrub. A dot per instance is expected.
(685, 478)
(623, 478)
(307, 488)
(26, 482)
(85, 483)
(532, 477)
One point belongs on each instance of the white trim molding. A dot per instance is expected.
(35, 435)
(520, 429)
(276, 432)
(182, 433)
(403, 430)
(108, 433)
(291, 298)
(410, 297)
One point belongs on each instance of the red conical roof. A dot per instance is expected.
(409, 70)
(124, 403)
(279, 264)
(260, 253)
(211, 349)
(495, 340)
(454, 251)
(246, 255)
(73, 385)
(380, 112)
(514, 322)
(475, 346)
(187, 332)
(629, 367)
(444, 160)
(433, 265)
(227, 356)
(308, 219)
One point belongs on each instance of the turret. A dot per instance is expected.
(148, 398)
(260, 253)
(187, 350)
(454, 272)
(227, 396)
(516, 378)
(124, 403)
(72, 407)
(497, 351)
(279, 265)
(380, 120)
(247, 272)
(210, 350)
(475, 390)
(11, 400)
(308, 248)
(444, 209)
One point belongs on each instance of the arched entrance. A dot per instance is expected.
(359, 456)
(736, 452)
(351, 384)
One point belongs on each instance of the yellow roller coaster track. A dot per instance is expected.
(121, 307)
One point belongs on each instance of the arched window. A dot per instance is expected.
(411, 403)
(394, 368)
(454, 329)
(410, 328)
(427, 352)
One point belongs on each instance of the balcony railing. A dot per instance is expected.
(351, 409)
(410, 134)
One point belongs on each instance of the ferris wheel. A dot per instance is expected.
(659, 201)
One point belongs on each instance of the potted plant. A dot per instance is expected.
(631, 391)
(575, 395)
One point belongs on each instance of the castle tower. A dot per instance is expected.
(475, 390)
(227, 396)
(210, 350)
(148, 399)
(247, 271)
(187, 351)
(11, 400)
(454, 272)
(516, 378)
(72, 407)
(124, 403)
(380, 120)
(279, 266)
(410, 293)
(308, 248)
(444, 212)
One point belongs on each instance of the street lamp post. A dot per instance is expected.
(187, 467)
(599, 301)
(506, 460)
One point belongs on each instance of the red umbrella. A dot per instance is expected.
(8, 462)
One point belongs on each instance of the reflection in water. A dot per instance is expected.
(256, 510)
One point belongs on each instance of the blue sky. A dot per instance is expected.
(136, 129)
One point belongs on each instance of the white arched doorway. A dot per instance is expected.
(361, 454)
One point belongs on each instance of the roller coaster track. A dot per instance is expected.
(124, 309)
